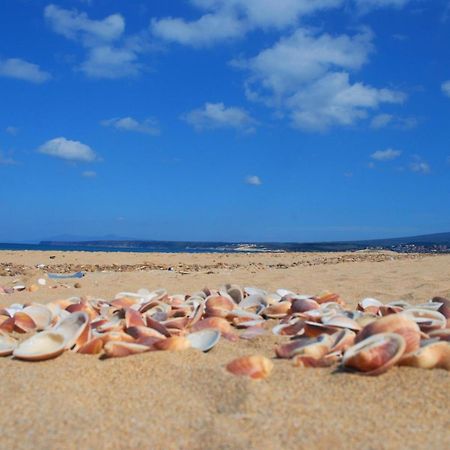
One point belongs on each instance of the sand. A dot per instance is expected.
(187, 399)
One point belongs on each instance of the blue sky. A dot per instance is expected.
(275, 120)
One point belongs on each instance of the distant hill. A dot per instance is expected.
(438, 242)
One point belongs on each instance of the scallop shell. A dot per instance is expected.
(204, 340)
(376, 354)
(255, 367)
(45, 345)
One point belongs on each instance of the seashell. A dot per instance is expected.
(369, 305)
(23, 323)
(92, 347)
(215, 323)
(19, 287)
(7, 325)
(255, 367)
(173, 343)
(445, 307)
(218, 306)
(40, 314)
(75, 329)
(7, 345)
(159, 327)
(314, 329)
(290, 329)
(122, 303)
(434, 355)
(235, 292)
(427, 319)
(315, 347)
(141, 332)
(115, 349)
(342, 340)
(309, 361)
(365, 319)
(277, 310)
(394, 323)
(302, 305)
(116, 336)
(179, 323)
(252, 333)
(285, 293)
(133, 318)
(376, 354)
(434, 306)
(42, 281)
(254, 291)
(329, 297)
(255, 301)
(341, 321)
(82, 306)
(41, 346)
(204, 340)
(442, 334)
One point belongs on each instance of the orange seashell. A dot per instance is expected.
(174, 343)
(217, 323)
(7, 325)
(219, 306)
(93, 347)
(116, 336)
(376, 354)
(393, 323)
(301, 305)
(122, 303)
(119, 349)
(342, 340)
(179, 323)
(315, 347)
(314, 329)
(309, 361)
(23, 323)
(255, 367)
(141, 332)
(434, 355)
(159, 327)
(133, 318)
(427, 319)
(277, 310)
(329, 297)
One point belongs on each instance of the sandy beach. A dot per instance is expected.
(187, 400)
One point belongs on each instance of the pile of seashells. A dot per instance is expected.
(319, 330)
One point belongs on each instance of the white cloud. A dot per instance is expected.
(217, 115)
(420, 166)
(89, 174)
(13, 131)
(229, 19)
(386, 155)
(368, 5)
(445, 86)
(385, 120)
(308, 75)
(23, 70)
(147, 126)
(6, 160)
(110, 54)
(69, 150)
(254, 180)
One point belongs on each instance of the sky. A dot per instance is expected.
(224, 120)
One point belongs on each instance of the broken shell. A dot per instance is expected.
(433, 355)
(173, 343)
(255, 367)
(376, 354)
(7, 345)
(118, 349)
(75, 329)
(41, 346)
(204, 340)
(394, 323)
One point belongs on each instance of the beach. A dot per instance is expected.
(171, 400)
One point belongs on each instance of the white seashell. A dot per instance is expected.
(41, 346)
(72, 327)
(42, 281)
(41, 315)
(254, 291)
(7, 345)
(283, 292)
(427, 319)
(204, 340)
(253, 300)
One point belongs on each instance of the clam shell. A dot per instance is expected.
(370, 305)
(204, 340)
(219, 306)
(394, 323)
(174, 343)
(314, 347)
(7, 345)
(93, 347)
(45, 345)
(445, 307)
(41, 315)
(255, 367)
(115, 349)
(427, 319)
(341, 321)
(433, 355)
(302, 305)
(376, 354)
(74, 328)
(23, 323)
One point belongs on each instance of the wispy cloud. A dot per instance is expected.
(386, 155)
(146, 126)
(6, 160)
(420, 166)
(390, 120)
(68, 150)
(89, 174)
(110, 54)
(253, 180)
(445, 86)
(217, 115)
(13, 131)
(23, 70)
